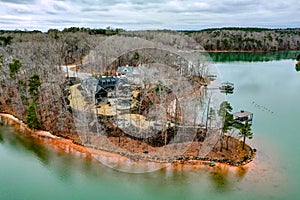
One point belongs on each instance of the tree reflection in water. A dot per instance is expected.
(224, 178)
(219, 178)
(252, 56)
(241, 172)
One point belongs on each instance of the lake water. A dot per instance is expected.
(30, 169)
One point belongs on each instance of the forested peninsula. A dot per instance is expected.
(36, 89)
(248, 39)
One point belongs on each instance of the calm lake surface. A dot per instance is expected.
(31, 170)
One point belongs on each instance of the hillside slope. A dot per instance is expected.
(247, 39)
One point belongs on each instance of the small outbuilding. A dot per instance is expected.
(124, 70)
(242, 117)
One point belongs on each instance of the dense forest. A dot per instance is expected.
(32, 88)
(247, 39)
(218, 39)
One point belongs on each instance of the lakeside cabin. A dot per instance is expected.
(242, 117)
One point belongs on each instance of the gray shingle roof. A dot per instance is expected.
(242, 113)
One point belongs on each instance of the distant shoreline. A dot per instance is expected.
(244, 51)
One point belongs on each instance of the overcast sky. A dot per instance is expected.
(148, 14)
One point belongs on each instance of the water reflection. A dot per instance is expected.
(21, 142)
(1, 138)
(252, 56)
(241, 172)
(225, 178)
(64, 164)
(78, 172)
(219, 178)
(297, 67)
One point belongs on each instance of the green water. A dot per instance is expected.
(32, 170)
(253, 56)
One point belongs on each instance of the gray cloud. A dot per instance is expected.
(152, 14)
(18, 1)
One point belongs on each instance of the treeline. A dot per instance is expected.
(246, 29)
(227, 39)
(214, 39)
(8, 36)
(100, 31)
(247, 39)
(19, 31)
(107, 31)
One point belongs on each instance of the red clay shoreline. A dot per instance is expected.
(238, 51)
(246, 51)
(68, 146)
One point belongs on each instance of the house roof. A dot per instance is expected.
(107, 82)
(125, 69)
(100, 89)
(227, 83)
(242, 113)
(107, 79)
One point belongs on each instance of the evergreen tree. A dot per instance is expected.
(245, 131)
(136, 56)
(14, 67)
(31, 118)
(1, 61)
(34, 84)
(224, 112)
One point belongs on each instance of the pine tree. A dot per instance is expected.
(245, 131)
(224, 112)
(31, 119)
(34, 84)
(1, 61)
(14, 67)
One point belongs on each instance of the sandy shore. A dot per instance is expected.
(106, 158)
